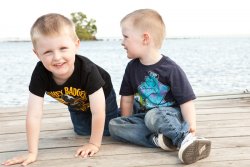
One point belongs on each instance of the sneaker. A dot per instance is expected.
(193, 149)
(164, 142)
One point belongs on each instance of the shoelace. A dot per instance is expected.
(188, 138)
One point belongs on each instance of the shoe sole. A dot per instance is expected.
(167, 144)
(194, 150)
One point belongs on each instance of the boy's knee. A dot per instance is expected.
(112, 124)
(112, 127)
(116, 125)
(151, 115)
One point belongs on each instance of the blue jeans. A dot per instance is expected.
(141, 127)
(82, 120)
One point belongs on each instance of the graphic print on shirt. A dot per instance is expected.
(151, 93)
(73, 97)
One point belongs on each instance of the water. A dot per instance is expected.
(213, 65)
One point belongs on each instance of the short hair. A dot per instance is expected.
(148, 20)
(51, 24)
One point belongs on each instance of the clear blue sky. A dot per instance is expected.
(183, 18)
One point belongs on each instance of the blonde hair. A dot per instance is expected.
(51, 24)
(148, 20)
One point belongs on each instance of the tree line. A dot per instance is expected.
(85, 28)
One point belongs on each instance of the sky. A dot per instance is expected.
(183, 18)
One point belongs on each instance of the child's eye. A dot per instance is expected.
(47, 53)
(64, 48)
(125, 36)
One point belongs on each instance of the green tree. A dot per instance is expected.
(85, 29)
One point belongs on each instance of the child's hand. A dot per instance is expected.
(87, 150)
(24, 160)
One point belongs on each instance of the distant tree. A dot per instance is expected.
(85, 29)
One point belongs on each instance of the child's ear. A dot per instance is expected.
(146, 38)
(36, 53)
(77, 43)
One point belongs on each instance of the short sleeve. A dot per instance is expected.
(38, 81)
(126, 86)
(94, 80)
(180, 86)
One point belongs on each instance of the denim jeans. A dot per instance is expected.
(141, 127)
(82, 120)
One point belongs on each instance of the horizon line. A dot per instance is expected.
(112, 38)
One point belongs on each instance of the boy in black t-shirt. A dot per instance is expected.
(158, 93)
(71, 79)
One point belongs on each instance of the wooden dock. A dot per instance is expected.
(224, 119)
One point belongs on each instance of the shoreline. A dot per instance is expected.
(119, 38)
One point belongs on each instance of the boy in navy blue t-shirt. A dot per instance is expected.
(156, 90)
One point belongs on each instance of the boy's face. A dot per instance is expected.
(57, 53)
(132, 40)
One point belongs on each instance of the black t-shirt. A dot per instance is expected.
(163, 84)
(85, 80)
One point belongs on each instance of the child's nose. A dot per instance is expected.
(56, 56)
(122, 43)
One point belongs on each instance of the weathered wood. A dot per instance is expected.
(126, 155)
(224, 119)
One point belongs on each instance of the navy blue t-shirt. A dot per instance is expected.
(163, 84)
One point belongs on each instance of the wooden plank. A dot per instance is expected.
(23, 113)
(242, 123)
(48, 143)
(209, 131)
(224, 119)
(23, 117)
(200, 100)
(222, 104)
(200, 107)
(50, 139)
(239, 95)
(66, 124)
(225, 110)
(131, 156)
(203, 122)
(223, 116)
(204, 114)
(52, 106)
(57, 113)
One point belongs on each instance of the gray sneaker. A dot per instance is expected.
(164, 143)
(193, 149)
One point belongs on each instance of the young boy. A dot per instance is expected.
(157, 90)
(72, 80)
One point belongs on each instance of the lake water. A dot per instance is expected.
(213, 65)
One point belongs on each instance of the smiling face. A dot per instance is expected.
(132, 40)
(57, 53)
(143, 32)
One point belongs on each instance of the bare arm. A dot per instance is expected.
(97, 106)
(33, 121)
(189, 115)
(126, 105)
